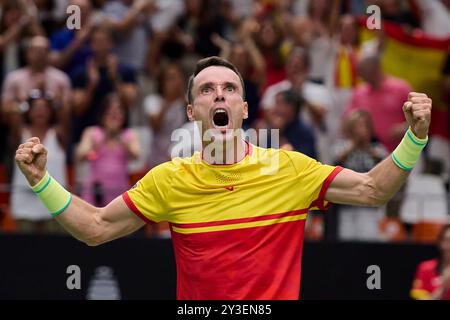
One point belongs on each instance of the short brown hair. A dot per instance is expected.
(209, 62)
(350, 120)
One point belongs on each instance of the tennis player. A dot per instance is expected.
(237, 228)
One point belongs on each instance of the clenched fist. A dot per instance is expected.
(31, 158)
(418, 113)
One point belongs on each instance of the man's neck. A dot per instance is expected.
(101, 60)
(376, 85)
(38, 69)
(225, 152)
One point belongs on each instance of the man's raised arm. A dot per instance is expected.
(380, 184)
(85, 222)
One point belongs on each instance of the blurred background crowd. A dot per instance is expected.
(105, 98)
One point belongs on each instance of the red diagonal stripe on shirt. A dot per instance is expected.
(241, 220)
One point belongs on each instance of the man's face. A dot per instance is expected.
(369, 70)
(101, 44)
(296, 70)
(283, 111)
(37, 51)
(217, 102)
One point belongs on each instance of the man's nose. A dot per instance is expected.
(219, 95)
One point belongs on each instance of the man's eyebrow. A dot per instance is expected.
(230, 83)
(206, 84)
(211, 84)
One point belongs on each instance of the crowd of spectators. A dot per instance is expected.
(105, 98)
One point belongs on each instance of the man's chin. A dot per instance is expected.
(221, 134)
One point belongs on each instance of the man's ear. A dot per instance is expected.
(190, 112)
(245, 110)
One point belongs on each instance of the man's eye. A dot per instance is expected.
(230, 88)
(206, 90)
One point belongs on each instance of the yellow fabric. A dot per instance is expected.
(268, 181)
(345, 69)
(419, 294)
(408, 151)
(54, 197)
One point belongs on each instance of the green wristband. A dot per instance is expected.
(54, 197)
(408, 151)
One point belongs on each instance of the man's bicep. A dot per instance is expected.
(348, 188)
(119, 219)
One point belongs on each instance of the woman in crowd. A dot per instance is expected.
(108, 147)
(39, 121)
(432, 280)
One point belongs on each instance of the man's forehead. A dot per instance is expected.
(216, 74)
(39, 42)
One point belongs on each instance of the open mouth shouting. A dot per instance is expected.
(220, 118)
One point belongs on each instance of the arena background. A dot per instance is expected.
(33, 264)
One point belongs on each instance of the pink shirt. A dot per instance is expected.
(384, 105)
(19, 83)
(108, 170)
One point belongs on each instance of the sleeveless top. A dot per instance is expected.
(24, 203)
(108, 170)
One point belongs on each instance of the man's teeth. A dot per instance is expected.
(221, 113)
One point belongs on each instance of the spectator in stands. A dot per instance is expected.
(130, 22)
(192, 31)
(269, 39)
(39, 121)
(70, 48)
(293, 131)
(166, 111)
(297, 69)
(360, 153)
(342, 74)
(432, 279)
(383, 97)
(17, 86)
(100, 76)
(18, 22)
(165, 40)
(37, 74)
(316, 96)
(333, 58)
(107, 147)
(321, 19)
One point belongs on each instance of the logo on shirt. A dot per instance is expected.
(230, 188)
(135, 186)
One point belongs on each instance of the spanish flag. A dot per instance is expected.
(345, 75)
(418, 59)
(414, 57)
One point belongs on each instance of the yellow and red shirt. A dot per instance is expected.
(427, 280)
(237, 230)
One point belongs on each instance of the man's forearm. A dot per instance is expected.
(77, 216)
(391, 173)
(387, 179)
(82, 221)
